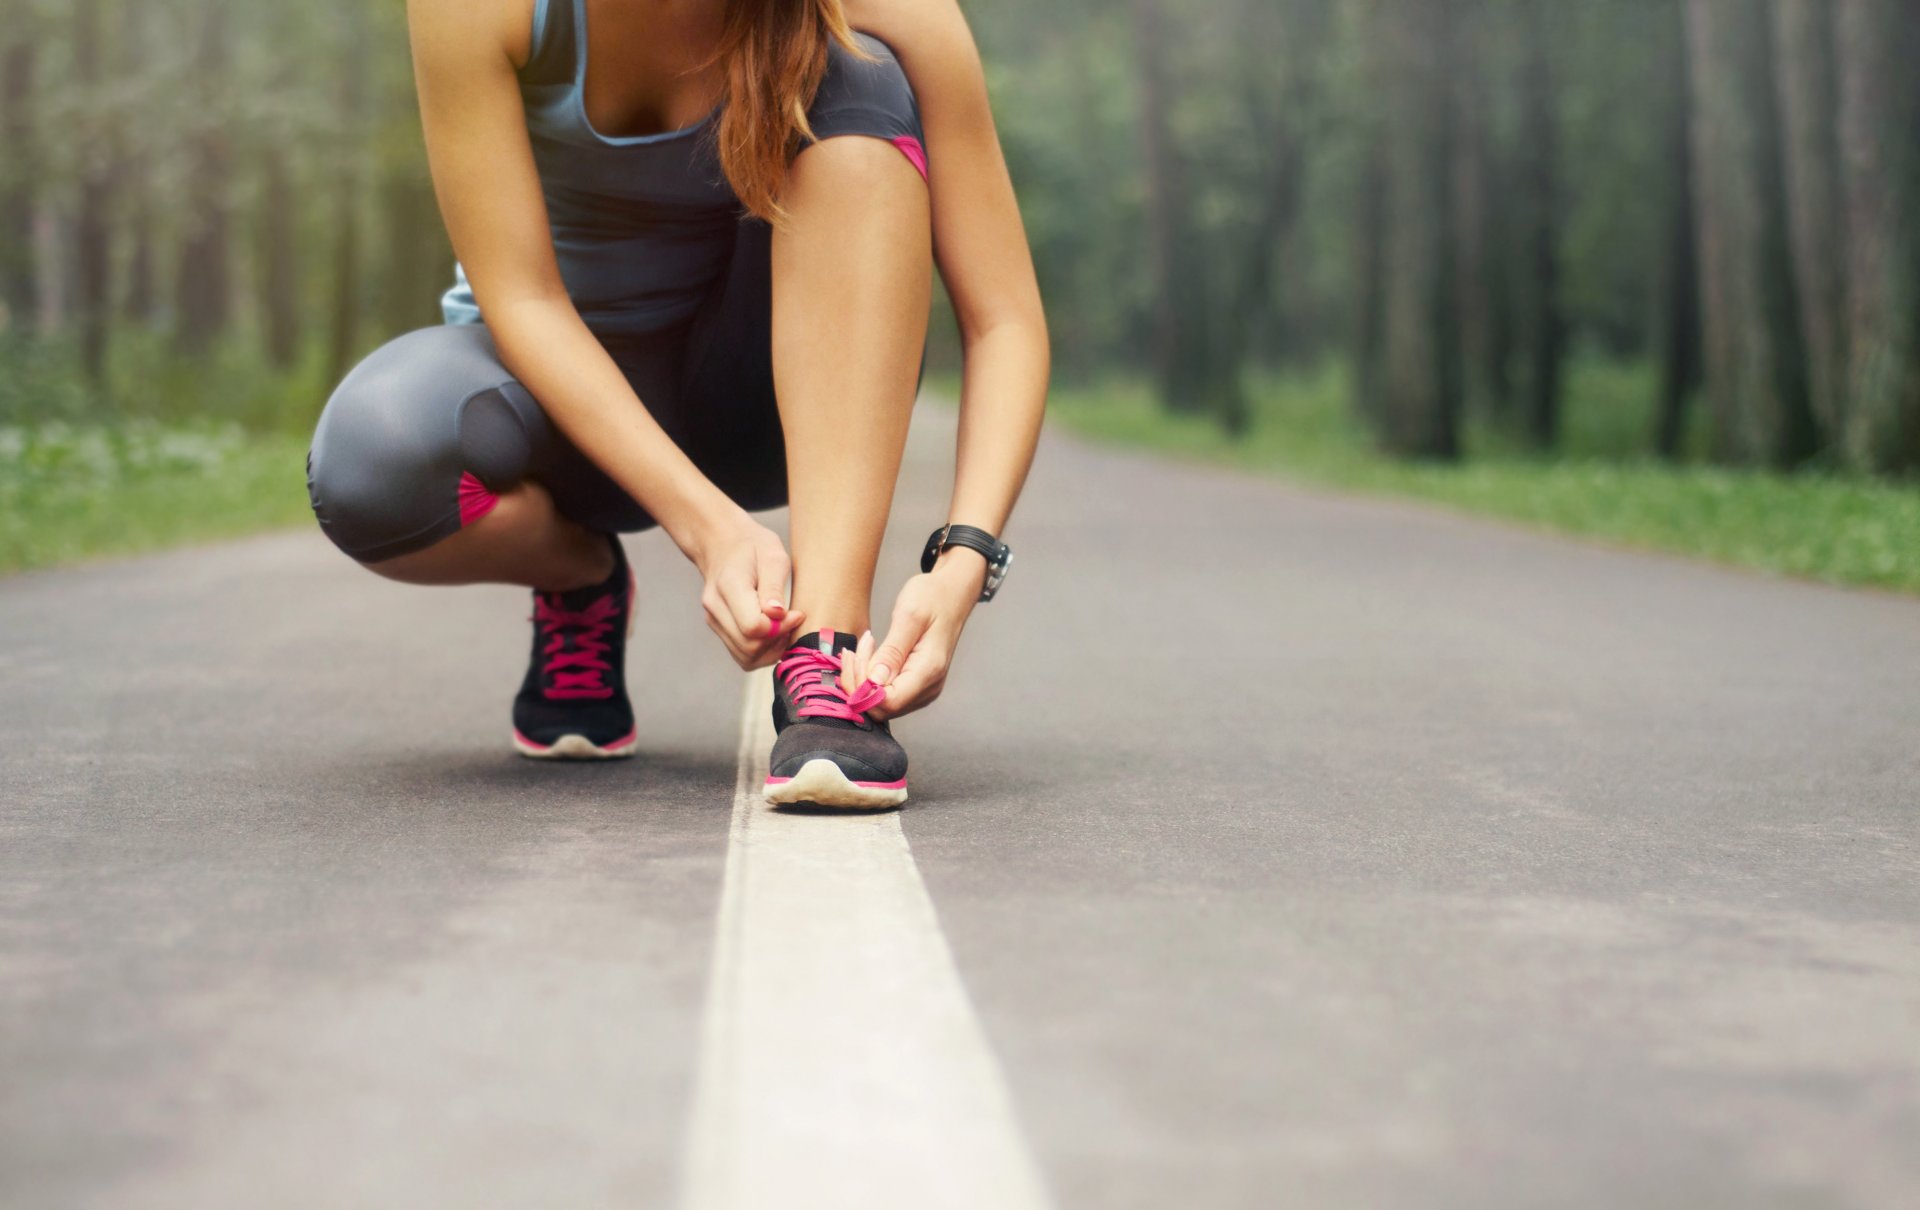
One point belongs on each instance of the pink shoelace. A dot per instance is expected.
(588, 628)
(812, 680)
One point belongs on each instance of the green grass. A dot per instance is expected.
(166, 450)
(69, 491)
(1824, 527)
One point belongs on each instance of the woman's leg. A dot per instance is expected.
(431, 465)
(423, 469)
(524, 540)
(852, 278)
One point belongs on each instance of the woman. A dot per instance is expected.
(697, 239)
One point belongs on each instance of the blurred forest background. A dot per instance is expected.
(1648, 269)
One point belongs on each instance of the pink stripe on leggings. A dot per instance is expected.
(475, 500)
(911, 148)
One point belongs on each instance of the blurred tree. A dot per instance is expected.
(1418, 376)
(349, 179)
(1537, 189)
(1756, 370)
(93, 232)
(18, 172)
(1677, 301)
(1176, 262)
(205, 278)
(1803, 33)
(416, 262)
(1480, 192)
(133, 178)
(1877, 45)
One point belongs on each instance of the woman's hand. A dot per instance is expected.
(745, 568)
(932, 610)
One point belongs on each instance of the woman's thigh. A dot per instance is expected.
(421, 437)
(730, 424)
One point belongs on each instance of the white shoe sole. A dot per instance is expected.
(575, 747)
(822, 783)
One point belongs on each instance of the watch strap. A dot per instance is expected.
(972, 537)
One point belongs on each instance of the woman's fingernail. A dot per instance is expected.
(881, 674)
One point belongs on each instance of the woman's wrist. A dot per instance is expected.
(962, 566)
(702, 521)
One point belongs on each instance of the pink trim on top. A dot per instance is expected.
(475, 500)
(911, 148)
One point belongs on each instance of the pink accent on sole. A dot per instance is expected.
(532, 747)
(911, 148)
(475, 500)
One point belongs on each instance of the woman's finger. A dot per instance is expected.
(920, 681)
(742, 600)
(855, 664)
(903, 635)
(727, 639)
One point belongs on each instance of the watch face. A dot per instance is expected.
(997, 572)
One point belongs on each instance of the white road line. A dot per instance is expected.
(842, 1065)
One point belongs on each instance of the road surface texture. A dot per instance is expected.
(1269, 848)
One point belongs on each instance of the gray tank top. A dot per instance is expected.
(642, 225)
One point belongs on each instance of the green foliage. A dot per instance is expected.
(1841, 530)
(73, 491)
(147, 381)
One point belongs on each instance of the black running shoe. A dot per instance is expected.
(573, 704)
(829, 752)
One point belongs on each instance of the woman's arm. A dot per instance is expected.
(981, 248)
(489, 191)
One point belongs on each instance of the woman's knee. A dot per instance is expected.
(391, 471)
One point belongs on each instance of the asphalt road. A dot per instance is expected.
(1293, 850)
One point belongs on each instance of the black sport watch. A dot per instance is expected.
(998, 554)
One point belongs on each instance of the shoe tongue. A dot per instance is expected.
(833, 642)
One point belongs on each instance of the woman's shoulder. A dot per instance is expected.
(929, 31)
(505, 25)
(891, 21)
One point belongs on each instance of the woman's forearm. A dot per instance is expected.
(1002, 400)
(554, 355)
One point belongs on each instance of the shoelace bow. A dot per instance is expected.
(588, 628)
(812, 680)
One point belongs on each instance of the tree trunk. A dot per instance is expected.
(205, 278)
(1679, 284)
(343, 340)
(1808, 109)
(1876, 42)
(1478, 220)
(18, 291)
(1537, 181)
(418, 265)
(1370, 285)
(1755, 357)
(93, 303)
(1419, 347)
(134, 185)
(1281, 128)
(1175, 265)
(279, 259)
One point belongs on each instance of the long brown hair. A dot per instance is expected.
(774, 53)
